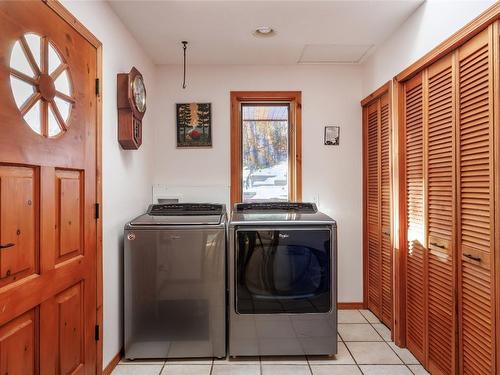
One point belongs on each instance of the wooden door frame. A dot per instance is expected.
(385, 89)
(238, 97)
(72, 21)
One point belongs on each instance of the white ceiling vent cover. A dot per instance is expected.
(333, 53)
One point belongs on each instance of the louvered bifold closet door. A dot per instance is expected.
(385, 211)
(373, 207)
(415, 258)
(440, 217)
(476, 206)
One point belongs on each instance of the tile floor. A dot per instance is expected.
(365, 347)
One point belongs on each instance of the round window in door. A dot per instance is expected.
(41, 85)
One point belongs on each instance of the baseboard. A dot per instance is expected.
(350, 305)
(112, 364)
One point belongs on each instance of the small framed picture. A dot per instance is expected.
(332, 135)
(194, 125)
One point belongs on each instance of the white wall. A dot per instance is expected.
(428, 26)
(127, 175)
(330, 174)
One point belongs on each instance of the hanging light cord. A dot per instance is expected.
(184, 47)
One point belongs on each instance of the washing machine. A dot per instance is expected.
(174, 282)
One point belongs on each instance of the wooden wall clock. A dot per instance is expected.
(131, 101)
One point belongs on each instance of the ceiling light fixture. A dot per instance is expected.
(264, 31)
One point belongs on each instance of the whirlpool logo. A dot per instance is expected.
(283, 235)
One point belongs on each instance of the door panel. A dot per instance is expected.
(385, 212)
(48, 185)
(416, 257)
(377, 134)
(17, 218)
(18, 345)
(68, 214)
(476, 204)
(70, 308)
(373, 209)
(440, 217)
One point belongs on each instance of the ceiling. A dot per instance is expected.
(221, 32)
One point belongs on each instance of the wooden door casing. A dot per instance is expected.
(52, 288)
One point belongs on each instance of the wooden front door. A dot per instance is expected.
(47, 193)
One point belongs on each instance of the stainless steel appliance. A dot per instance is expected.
(282, 280)
(174, 271)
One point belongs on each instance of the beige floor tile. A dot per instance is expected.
(358, 332)
(186, 370)
(373, 353)
(237, 361)
(137, 370)
(335, 370)
(285, 369)
(418, 369)
(284, 360)
(404, 354)
(236, 370)
(385, 369)
(369, 316)
(341, 358)
(189, 361)
(383, 331)
(350, 316)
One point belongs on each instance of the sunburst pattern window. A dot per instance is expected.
(41, 85)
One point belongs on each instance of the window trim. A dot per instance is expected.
(294, 98)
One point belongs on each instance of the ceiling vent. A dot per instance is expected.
(333, 53)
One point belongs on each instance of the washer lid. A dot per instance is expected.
(182, 214)
(148, 219)
(186, 209)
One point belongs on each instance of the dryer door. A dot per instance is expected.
(283, 271)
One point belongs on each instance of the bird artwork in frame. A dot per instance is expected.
(194, 125)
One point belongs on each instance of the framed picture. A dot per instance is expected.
(332, 135)
(194, 124)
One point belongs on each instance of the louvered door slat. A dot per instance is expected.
(415, 316)
(475, 227)
(373, 210)
(385, 212)
(440, 217)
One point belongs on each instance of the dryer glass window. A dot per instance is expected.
(283, 271)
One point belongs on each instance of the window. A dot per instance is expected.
(41, 85)
(264, 130)
(265, 146)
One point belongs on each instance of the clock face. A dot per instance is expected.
(139, 93)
